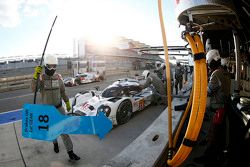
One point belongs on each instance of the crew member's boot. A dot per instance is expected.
(73, 156)
(56, 147)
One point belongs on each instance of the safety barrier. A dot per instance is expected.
(14, 83)
(23, 82)
(18, 82)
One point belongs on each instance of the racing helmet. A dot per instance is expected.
(50, 62)
(212, 55)
(145, 73)
(51, 59)
(159, 65)
(213, 58)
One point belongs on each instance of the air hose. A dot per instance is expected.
(199, 96)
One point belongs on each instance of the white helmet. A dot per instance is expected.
(159, 65)
(178, 61)
(212, 55)
(51, 59)
(145, 73)
(225, 61)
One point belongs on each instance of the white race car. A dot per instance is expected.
(87, 78)
(118, 101)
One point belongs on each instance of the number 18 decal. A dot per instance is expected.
(43, 119)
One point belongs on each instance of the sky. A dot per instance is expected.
(25, 24)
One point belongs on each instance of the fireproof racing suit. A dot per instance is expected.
(52, 90)
(219, 88)
(179, 71)
(219, 92)
(160, 91)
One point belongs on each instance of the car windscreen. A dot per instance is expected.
(81, 75)
(112, 92)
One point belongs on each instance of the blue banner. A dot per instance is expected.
(45, 122)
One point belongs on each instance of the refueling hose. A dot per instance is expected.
(199, 101)
(170, 141)
(183, 118)
(199, 96)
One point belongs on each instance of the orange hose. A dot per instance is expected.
(198, 104)
(199, 94)
(185, 114)
(170, 140)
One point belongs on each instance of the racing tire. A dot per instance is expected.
(84, 92)
(124, 112)
(78, 81)
(73, 114)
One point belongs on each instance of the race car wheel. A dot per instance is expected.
(124, 112)
(83, 92)
(73, 114)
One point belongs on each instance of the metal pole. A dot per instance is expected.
(238, 63)
(41, 61)
(201, 36)
(78, 56)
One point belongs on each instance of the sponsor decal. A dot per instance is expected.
(141, 104)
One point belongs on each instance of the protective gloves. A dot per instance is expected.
(37, 72)
(68, 107)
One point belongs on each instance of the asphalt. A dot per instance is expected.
(13, 100)
(123, 143)
(17, 151)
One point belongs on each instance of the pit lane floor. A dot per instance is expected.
(93, 151)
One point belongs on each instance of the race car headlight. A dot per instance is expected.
(105, 109)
